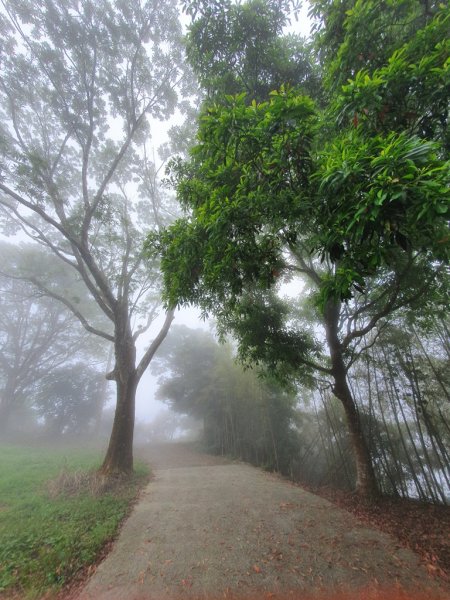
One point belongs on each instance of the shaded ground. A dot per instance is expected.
(205, 528)
(425, 528)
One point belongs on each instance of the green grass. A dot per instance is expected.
(44, 540)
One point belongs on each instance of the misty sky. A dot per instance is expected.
(146, 405)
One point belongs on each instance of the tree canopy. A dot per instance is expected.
(38, 334)
(355, 183)
(81, 83)
(248, 417)
(235, 47)
(350, 193)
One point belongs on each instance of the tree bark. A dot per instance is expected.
(366, 484)
(119, 456)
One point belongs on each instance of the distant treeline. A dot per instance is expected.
(402, 388)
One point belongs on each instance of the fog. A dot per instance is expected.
(289, 180)
(83, 185)
(45, 351)
(19, 233)
(147, 406)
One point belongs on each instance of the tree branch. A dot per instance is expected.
(308, 270)
(356, 355)
(72, 309)
(389, 307)
(79, 265)
(146, 359)
(317, 367)
(38, 210)
(125, 145)
(151, 316)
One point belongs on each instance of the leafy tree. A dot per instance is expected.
(355, 35)
(241, 47)
(80, 84)
(243, 415)
(37, 334)
(354, 201)
(67, 399)
(186, 366)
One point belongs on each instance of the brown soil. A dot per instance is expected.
(206, 528)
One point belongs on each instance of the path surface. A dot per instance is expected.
(208, 529)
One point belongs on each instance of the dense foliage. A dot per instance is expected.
(348, 190)
(235, 47)
(243, 416)
(355, 183)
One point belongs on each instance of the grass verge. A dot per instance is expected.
(54, 518)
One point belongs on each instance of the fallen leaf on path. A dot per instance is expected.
(287, 505)
(276, 555)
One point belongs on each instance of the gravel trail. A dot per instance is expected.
(205, 528)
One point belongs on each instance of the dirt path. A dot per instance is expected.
(208, 529)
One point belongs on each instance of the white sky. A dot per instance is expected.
(303, 25)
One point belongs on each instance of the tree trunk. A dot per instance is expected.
(5, 412)
(366, 484)
(119, 456)
(8, 402)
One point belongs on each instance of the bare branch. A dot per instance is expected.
(386, 310)
(72, 309)
(106, 304)
(51, 294)
(146, 359)
(82, 259)
(39, 236)
(87, 149)
(143, 328)
(356, 355)
(390, 306)
(38, 210)
(308, 270)
(60, 152)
